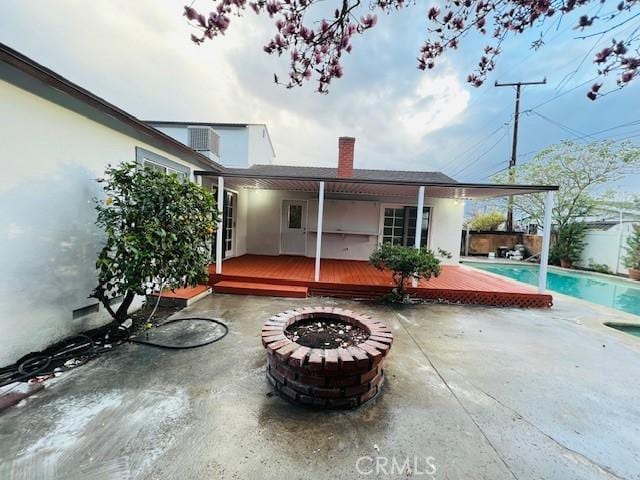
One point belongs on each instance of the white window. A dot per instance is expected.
(399, 225)
(161, 164)
(163, 169)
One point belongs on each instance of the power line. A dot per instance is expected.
(563, 93)
(628, 124)
(576, 133)
(479, 157)
(477, 144)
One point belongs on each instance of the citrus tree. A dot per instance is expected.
(157, 230)
(405, 263)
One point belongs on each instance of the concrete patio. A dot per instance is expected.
(498, 394)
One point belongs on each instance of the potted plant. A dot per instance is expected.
(632, 257)
(569, 244)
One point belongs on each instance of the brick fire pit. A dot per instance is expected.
(342, 377)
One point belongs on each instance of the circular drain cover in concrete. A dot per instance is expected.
(183, 333)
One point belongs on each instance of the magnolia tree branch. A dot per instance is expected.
(316, 48)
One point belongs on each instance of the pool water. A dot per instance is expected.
(610, 292)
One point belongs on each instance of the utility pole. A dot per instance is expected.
(514, 148)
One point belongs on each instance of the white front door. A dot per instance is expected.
(294, 227)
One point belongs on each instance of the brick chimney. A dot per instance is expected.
(345, 156)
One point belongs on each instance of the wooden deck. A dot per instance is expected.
(358, 279)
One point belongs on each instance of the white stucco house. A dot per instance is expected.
(57, 138)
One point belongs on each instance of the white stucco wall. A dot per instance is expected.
(349, 214)
(51, 157)
(180, 133)
(242, 215)
(234, 146)
(260, 149)
(263, 219)
(447, 222)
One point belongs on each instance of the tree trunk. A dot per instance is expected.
(123, 310)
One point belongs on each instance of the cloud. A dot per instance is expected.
(437, 102)
(138, 55)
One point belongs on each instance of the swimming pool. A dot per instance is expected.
(610, 292)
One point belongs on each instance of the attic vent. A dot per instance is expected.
(84, 311)
(204, 139)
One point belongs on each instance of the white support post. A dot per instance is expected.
(319, 231)
(418, 236)
(546, 241)
(466, 242)
(220, 225)
(419, 217)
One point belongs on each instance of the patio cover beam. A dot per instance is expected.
(319, 230)
(220, 225)
(546, 242)
(368, 186)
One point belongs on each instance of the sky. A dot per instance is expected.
(138, 55)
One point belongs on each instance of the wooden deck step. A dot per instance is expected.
(180, 297)
(264, 289)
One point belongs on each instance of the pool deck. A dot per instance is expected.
(488, 393)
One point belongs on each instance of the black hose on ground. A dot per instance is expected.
(79, 347)
(83, 348)
(145, 340)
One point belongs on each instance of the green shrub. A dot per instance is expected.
(487, 221)
(632, 256)
(600, 267)
(569, 242)
(157, 230)
(405, 263)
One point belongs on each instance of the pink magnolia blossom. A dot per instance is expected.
(316, 47)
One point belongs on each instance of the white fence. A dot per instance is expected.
(606, 248)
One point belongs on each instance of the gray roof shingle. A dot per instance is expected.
(359, 174)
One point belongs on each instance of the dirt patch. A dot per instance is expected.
(159, 317)
(325, 333)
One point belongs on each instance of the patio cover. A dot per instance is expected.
(353, 186)
(381, 187)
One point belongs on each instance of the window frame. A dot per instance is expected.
(144, 156)
(404, 228)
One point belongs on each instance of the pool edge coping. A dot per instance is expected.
(566, 297)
